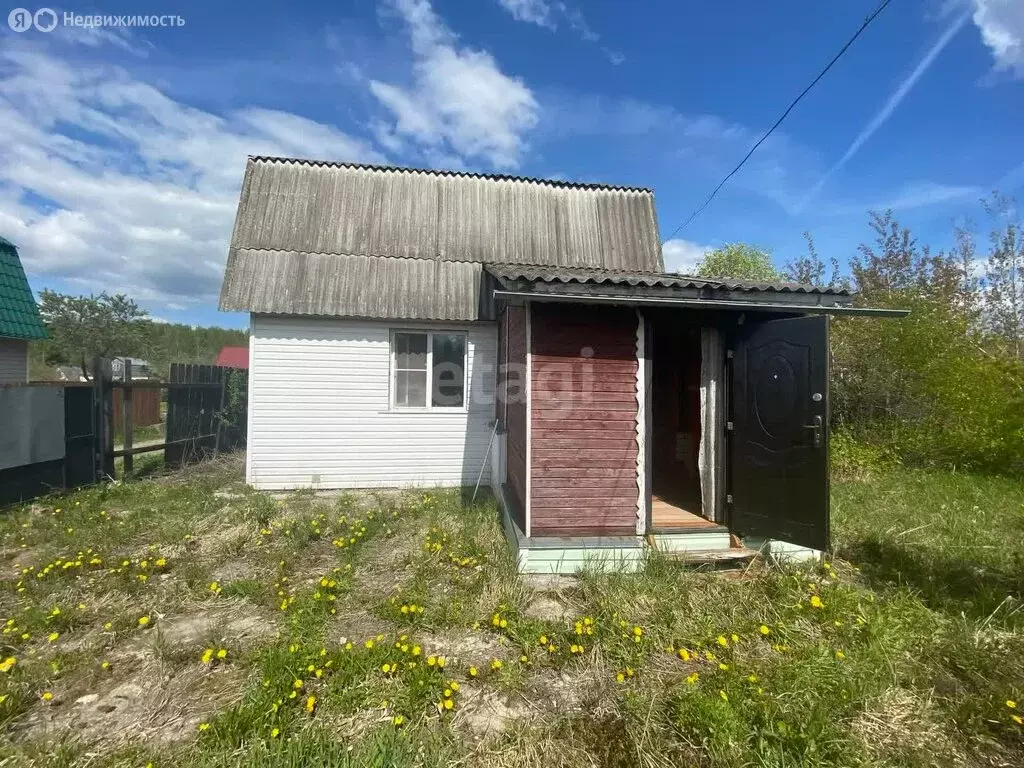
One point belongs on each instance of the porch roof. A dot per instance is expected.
(516, 281)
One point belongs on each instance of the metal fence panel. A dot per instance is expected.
(33, 425)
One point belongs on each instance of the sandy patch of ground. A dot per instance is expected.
(486, 713)
(547, 609)
(150, 705)
(466, 647)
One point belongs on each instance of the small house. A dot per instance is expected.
(20, 321)
(427, 328)
(140, 369)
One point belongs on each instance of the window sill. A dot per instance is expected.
(418, 411)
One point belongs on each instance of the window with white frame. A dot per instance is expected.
(428, 369)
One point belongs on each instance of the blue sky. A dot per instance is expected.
(121, 151)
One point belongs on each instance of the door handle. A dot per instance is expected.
(817, 427)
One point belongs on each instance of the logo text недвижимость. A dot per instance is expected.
(47, 19)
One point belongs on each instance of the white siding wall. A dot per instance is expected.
(13, 361)
(320, 414)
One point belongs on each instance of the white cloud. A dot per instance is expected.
(459, 100)
(548, 14)
(683, 255)
(1001, 23)
(537, 12)
(108, 184)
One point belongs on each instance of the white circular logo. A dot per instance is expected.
(45, 19)
(20, 20)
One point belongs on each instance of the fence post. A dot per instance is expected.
(103, 396)
(128, 411)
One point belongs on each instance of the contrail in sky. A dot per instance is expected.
(894, 100)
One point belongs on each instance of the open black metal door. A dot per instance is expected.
(779, 447)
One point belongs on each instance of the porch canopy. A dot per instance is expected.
(516, 283)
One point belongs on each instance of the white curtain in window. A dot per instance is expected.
(709, 456)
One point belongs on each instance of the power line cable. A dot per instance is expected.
(770, 131)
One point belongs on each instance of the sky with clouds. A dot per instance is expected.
(122, 151)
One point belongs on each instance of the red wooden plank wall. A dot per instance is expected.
(583, 432)
(514, 393)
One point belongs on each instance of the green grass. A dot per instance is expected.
(348, 622)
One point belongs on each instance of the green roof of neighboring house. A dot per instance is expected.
(19, 315)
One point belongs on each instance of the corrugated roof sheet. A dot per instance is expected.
(286, 282)
(312, 208)
(19, 315)
(662, 279)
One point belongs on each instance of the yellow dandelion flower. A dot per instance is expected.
(297, 685)
(398, 721)
(207, 656)
(440, 662)
(53, 636)
(368, 643)
(448, 704)
(684, 654)
(431, 661)
(638, 631)
(222, 654)
(764, 630)
(473, 672)
(108, 626)
(723, 695)
(840, 655)
(1017, 719)
(310, 703)
(143, 621)
(204, 727)
(816, 602)
(734, 637)
(275, 732)
(104, 665)
(46, 696)
(496, 664)
(1011, 703)
(620, 678)
(722, 641)
(692, 679)
(454, 685)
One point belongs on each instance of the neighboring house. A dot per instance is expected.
(431, 328)
(140, 368)
(233, 357)
(20, 321)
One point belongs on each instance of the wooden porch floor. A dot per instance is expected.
(674, 514)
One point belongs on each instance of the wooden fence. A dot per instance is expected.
(206, 414)
(145, 409)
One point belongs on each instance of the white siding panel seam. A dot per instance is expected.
(320, 412)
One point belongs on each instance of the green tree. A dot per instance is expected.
(931, 387)
(1004, 279)
(739, 261)
(82, 327)
(810, 269)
